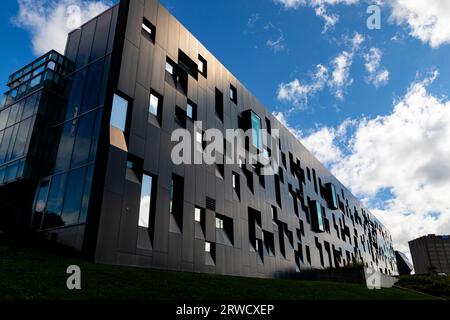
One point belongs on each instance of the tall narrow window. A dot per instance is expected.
(119, 112)
(148, 30)
(155, 104)
(169, 67)
(176, 203)
(191, 110)
(202, 66)
(146, 199)
(233, 94)
(256, 131)
(219, 104)
(198, 215)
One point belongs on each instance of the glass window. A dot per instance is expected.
(84, 49)
(101, 36)
(14, 109)
(256, 130)
(21, 139)
(73, 195)
(55, 202)
(4, 118)
(154, 104)
(189, 111)
(146, 198)
(202, 66)
(66, 146)
(198, 215)
(39, 205)
(51, 65)
(119, 112)
(76, 93)
(207, 247)
(86, 194)
(234, 180)
(5, 144)
(219, 223)
(169, 67)
(83, 140)
(35, 81)
(93, 84)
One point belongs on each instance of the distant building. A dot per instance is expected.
(431, 254)
(403, 265)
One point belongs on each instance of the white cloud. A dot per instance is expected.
(319, 7)
(377, 75)
(340, 77)
(426, 20)
(398, 163)
(297, 93)
(49, 21)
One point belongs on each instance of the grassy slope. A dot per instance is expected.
(36, 271)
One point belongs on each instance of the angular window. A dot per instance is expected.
(202, 66)
(176, 203)
(148, 30)
(233, 94)
(219, 104)
(153, 106)
(191, 110)
(180, 116)
(169, 67)
(318, 224)
(224, 230)
(219, 223)
(207, 247)
(187, 64)
(256, 131)
(119, 113)
(332, 196)
(146, 200)
(72, 200)
(39, 205)
(198, 215)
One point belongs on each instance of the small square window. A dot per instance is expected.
(154, 104)
(207, 247)
(198, 215)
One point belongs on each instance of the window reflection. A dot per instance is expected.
(146, 193)
(119, 113)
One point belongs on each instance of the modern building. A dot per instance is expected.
(404, 267)
(431, 254)
(85, 159)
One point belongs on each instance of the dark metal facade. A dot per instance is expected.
(431, 254)
(204, 218)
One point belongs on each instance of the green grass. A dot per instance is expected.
(35, 270)
(435, 285)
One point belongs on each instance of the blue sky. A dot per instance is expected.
(386, 137)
